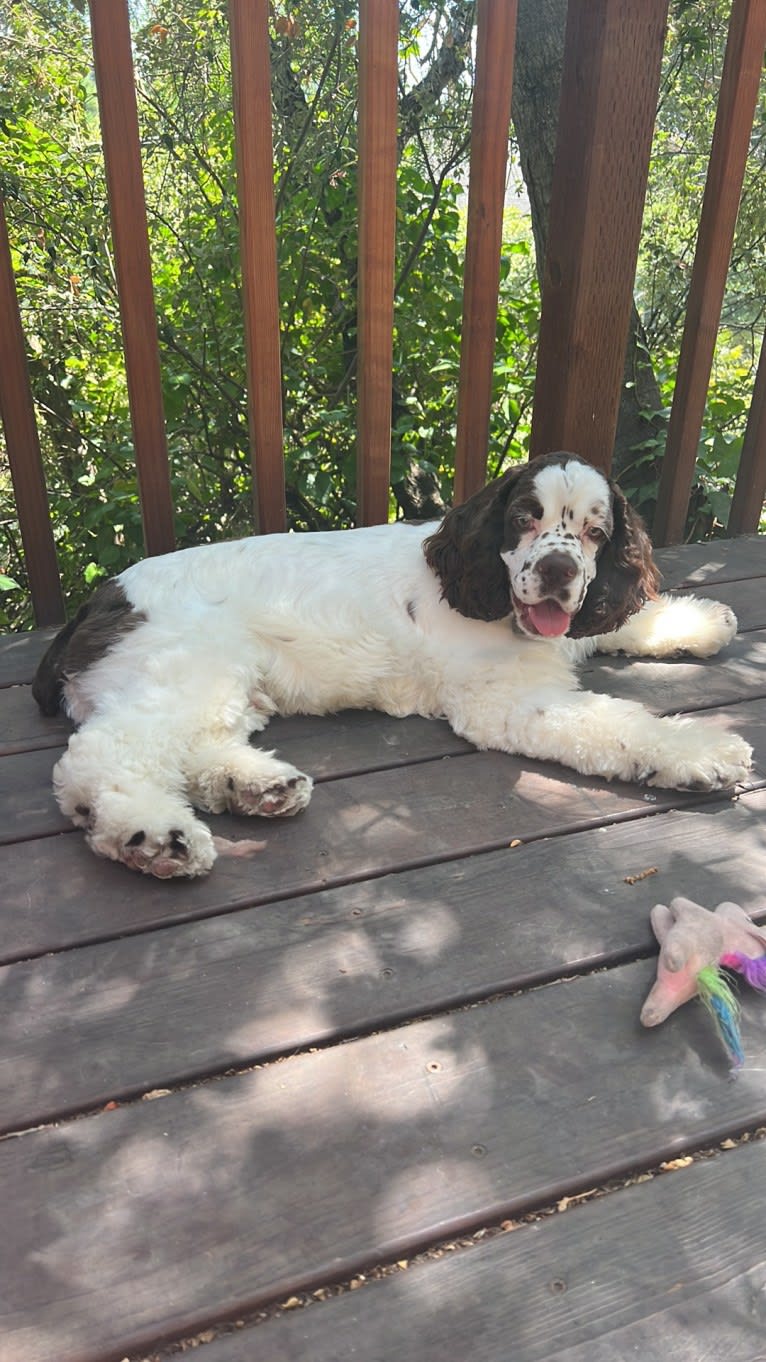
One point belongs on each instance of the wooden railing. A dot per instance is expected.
(609, 97)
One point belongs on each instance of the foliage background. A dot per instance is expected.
(52, 178)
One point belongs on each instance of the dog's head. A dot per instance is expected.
(553, 542)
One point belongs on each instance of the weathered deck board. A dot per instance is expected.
(218, 1198)
(27, 806)
(722, 560)
(747, 599)
(208, 996)
(570, 1288)
(20, 654)
(685, 683)
(354, 829)
(23, 728)
(339, 746)
(362, 1057)
(361, 740)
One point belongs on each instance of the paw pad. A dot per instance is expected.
(279, 799)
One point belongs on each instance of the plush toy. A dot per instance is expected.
(696, 946)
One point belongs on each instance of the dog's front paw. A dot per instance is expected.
(166, 843)
(715, 762)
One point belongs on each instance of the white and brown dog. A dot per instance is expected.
(480, 619)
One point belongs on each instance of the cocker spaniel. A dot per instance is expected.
(480, 619)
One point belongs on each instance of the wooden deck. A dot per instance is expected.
(346, 1100)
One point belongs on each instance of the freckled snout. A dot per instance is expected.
(555, 571)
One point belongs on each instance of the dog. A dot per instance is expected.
(480, 619)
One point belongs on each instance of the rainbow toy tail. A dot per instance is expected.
(716, 995)
(754, 971)
(720, 1001)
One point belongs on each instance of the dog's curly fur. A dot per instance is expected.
(480, 619)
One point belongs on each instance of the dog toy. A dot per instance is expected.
(696, 947)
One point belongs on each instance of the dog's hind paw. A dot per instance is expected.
(275, 799)
(249, 781)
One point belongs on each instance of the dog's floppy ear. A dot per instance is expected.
(465, 552)
(626, 576)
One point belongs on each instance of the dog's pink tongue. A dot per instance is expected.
(549, 619)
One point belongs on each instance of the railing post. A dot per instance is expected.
(251, 81)
(496, 33)
(728, 157)
(378, 56)
(606, 120)
(750, 487)
(23, 445)
(115, 84)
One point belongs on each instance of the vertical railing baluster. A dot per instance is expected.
(378, 40)
(496, 33)
(612, 62)
(251, 79)
(115, 84)
(726, 170)
(23, 446)
(750, 487)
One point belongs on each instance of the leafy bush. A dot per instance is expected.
(52, 178)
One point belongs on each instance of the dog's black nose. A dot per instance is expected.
(556, 570)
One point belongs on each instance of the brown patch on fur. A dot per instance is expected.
(96, 627)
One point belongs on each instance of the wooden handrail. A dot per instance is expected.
(115, 85)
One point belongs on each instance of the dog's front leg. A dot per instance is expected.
(598, 735)
(130, 802)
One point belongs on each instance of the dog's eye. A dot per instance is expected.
(523, 520)
(596, 534)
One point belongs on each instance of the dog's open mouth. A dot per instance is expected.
(546, 618)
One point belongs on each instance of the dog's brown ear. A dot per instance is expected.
(626, 577)
(465, 552)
